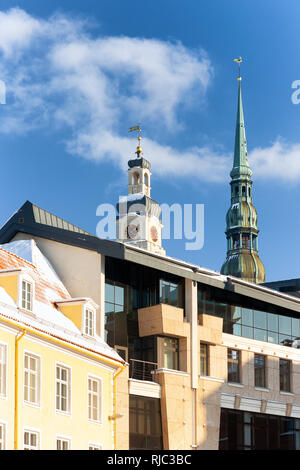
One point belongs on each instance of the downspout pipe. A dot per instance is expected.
(18, 338)
(115, 416)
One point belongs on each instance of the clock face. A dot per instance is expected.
(132, 231)
(154, 234)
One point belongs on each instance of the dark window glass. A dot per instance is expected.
(260, 370)
(170, 293)
(233, 363)
(285, 375)
(204, 370)
(145, 430)
(256, 431)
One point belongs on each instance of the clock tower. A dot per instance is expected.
(139, 222)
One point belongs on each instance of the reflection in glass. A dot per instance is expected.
(236, 314)
(272, 337)
(260, 319)
(261, 335)
(109, 293)
(285, 325)
(272, 322)
(247, 317)
(247, 332)
(295, 327)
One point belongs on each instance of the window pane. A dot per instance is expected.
(261, 335)
(119, 295)
(260, 319)
(260, 370)
(272, 322)
(295, 327)
(284, 367)
(247, 332)
(285, 325)
(247, 317)
(109, 293)
(272, 337)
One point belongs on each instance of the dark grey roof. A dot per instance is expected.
(33, 220)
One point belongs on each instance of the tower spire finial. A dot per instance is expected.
(138, 129)
(239, 61)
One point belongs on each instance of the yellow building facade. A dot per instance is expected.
(58, 379)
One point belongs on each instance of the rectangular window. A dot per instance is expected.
(233, 359)
(145, 427)
(94, 399)
(170, 293)
(3, 362)
(27, 295)
(260, 376)
(204, 359)
(89, 324)
(171, 353)
(95, 447)
(63, 444)
(31, 440)
(63, 388)
(285, 375)
(31, 378)
(2, 436)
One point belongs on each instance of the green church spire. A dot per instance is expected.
(240, 161)
(241, 220)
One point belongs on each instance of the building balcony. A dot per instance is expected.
(142, 370)
(162, 319)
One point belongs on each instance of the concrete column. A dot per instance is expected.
(191, 308)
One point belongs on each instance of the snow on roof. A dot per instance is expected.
(28, 250)
(48, 288)
(131, 197)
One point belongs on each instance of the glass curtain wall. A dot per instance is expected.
(242, 430)
(245, 317)
(128, 287)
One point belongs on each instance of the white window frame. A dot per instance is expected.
(3, 370)
(37, 375)
(31, 431)
(68, 384)
(89, 324)
(63, 439)
(3, 436)
(25, 277)
(95, 446)
(91, 394)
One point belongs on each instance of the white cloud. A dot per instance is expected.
(281, 161)
(57, 75)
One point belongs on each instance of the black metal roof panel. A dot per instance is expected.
(33, 220)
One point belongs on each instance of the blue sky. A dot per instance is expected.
(79, 74)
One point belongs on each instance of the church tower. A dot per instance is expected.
(139, 222)
(241, 220)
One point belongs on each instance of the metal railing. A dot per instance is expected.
(142, 370)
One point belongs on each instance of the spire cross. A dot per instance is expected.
(138, 129)
(239, 60)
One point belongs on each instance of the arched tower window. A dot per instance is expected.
(235, 241)
(136, 178)
(146, 179)
(236, 190)
(244, 190)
